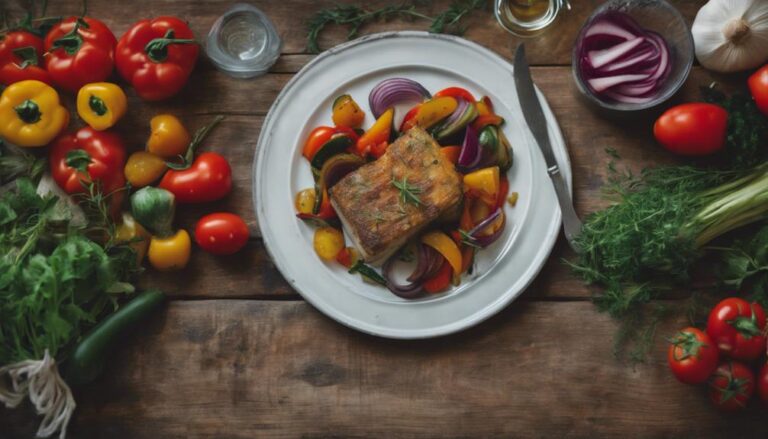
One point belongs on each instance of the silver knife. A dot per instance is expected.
(534, 116)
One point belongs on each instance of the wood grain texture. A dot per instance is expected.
(245, 369)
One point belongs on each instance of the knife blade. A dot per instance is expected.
(537, 123)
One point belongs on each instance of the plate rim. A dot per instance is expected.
(492, 308)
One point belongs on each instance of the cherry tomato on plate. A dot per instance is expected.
(758, 86)
(692, 356)
(731, 386)
(221, 233)
(692, 129)
(737, 327)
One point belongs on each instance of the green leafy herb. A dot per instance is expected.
(747, 128)
(15, 162)
(408, 192)
(744, 266)
(367, 273)
(468, 239)
(355, 17)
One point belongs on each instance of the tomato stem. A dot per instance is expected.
(157, 49)
(747, 326)
(200, 135)
(71, 41)
(688, 342)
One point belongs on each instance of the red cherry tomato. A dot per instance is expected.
(692, 356)
(221, 233)
(737, 328)
(758, 86)
(731, 386)
(692, 129)
(762, 383)
(208, 179)
(79, 51)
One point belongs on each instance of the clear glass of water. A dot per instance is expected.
(527, 18)
(243, 42)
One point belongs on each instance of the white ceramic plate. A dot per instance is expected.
(502, 271)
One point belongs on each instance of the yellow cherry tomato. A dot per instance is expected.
(346, 112)
(305, 201)
(31, 114)
(144, 168)
(131, 232)
(101, 104)
(328, 242)
(171, 253)
(169, 137)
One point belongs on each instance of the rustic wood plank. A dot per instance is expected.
(242, 369)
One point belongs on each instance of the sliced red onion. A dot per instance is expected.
(470, 154)
(393, 91)
(606, 29)
(628, 99)
(484, 241)
(649, 55)
(411, 290)
(599, 58)
(461, 107)
(603, 84)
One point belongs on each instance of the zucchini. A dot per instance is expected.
(335, 145)
(447, 130)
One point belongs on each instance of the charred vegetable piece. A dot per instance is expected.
(377, 138)
(336, 145)
(464, 114)
(346, 112)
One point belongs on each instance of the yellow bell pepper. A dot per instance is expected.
(346, 112)
(435, 110)
(144, 168)
(134, 234)
(169, 137)
(101, 104)
(376, 140)
(486, 182)
(446, 247)
(31, 114)
(171, 253)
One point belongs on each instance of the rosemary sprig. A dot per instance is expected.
(468, 239)
(408, 192)
(354, 17)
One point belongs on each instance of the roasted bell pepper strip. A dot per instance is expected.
(467, 257)
(346, 112)
(433, 111)
(30, 114)
(346, 257)
(409, 121)
(440, 281)
(21, 58)
(455, 92)
(484, 106)
(465, 221)
(157, 56)
(503, 191)
(168, 137)
(376, 139)
(446, 247)
(451, 153)
(79, 50)
(101, 104)
(483, 121)
(485, 181)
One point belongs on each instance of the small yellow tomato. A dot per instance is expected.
(144, 168)
(328, 242)
(305, 201)
(101, 104)
(346, 112)
(131, 232)
(171, 253)
(169, 137)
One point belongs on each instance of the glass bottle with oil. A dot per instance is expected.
(526, 18)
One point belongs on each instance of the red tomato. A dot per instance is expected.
(316, 139)
(208, 179)
(737, 328)
(221, 233)
(731, 386)
(692, 356)
(456, 92)
(762, 383)
(79, 51)
(692, 129)
(758, 86)
(21, 58)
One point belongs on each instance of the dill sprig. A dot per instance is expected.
(354, 17)
(408, 192)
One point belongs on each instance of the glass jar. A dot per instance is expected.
(526, 18)
(243, 42)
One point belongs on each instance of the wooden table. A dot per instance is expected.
(238, 354)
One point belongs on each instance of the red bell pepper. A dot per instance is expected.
(439, 281)
(501, 197)
(456, 92)
(483, 121)
(80, 50)
(157, 56)
(89, 156)
(409, 120)
(21, 55)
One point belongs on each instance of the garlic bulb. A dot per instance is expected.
(731, 35)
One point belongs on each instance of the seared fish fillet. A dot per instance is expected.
(379, 216)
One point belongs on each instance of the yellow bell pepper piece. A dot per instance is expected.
(169, 137)
(435, 110)
(171, 253)
(485, 181)
(134, 234)
(31, 114)
(101, 104)
(144, 168)
(346, 112)
(446, 247)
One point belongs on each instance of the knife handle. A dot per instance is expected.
(571, 222)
